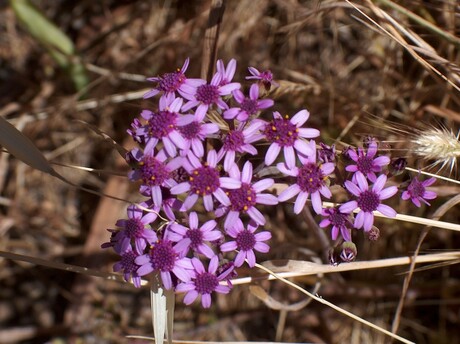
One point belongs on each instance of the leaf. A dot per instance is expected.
(22, 148)
(58, 44)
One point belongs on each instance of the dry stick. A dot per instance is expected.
(211, 38)
(438, 214)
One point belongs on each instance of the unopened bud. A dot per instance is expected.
(349, 252)
(397, 166)
(373, 234)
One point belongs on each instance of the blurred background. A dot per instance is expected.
(64, 62)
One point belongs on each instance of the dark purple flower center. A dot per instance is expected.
(243, 198)
(245, 240)
(250, 106)
(416, 189)
(162, 123)
(365, 164)
(368, 201)
(163, 256)
(338, 219)
(153, 172)
(127, 261)
(310, 178)
(134, 228)
(207, 94)
(170, 82)
(281, 131)
(195, 236)
(191, 130)
(234, 140)
(206, 283)
(204, 180)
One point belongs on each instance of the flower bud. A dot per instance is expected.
(349, 252)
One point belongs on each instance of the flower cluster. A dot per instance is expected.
(202, 215)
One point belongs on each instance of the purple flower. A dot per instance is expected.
(227, 73)
(265, 77)
(170, 83)
(134, 229)
(206, 95)
(128, 266)
(244, 199)
(368, 200)
(246, 242)
(194, 132)
(166, 259)
(340, 223)
(204, 282)
(365, 162)
(154, 173)
(287, 134)
(310, 181)
(205, 181)
(248, 106)
(416, 191)
(239, 140)
(162, 126)
(194, 236)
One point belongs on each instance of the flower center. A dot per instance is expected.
(153, 172)
(170, 82)
(243, 198)
(281, 131)
(162, 123)
(234, 140)
(206, 283)
(204, 180)
(338, 219)
(195, 236)
(368, 201)
(245, 240)
(163, 256)
(191, 130)
(207, 94)
(250, 106)
(365, 164)
(127, 261)
(310, 178)
(134, 228)
(416, 189)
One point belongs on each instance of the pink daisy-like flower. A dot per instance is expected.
(239, 140)
(154, 173)
(227, 73)
(128, 266)
(246, 242)
(205, 282)
(369, 199)
(169, 83)
(204, 96)
(311, 180)
(245, 199)
(366, 163)
(340, 223)
(265, 77)
(287, 134)
(416, 191)
(134, 229)
(194, 132)
(195, 237)
(248, 106)
(205, 181)
(162, 126)
(166, 259)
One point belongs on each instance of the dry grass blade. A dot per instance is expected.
(333, 306)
